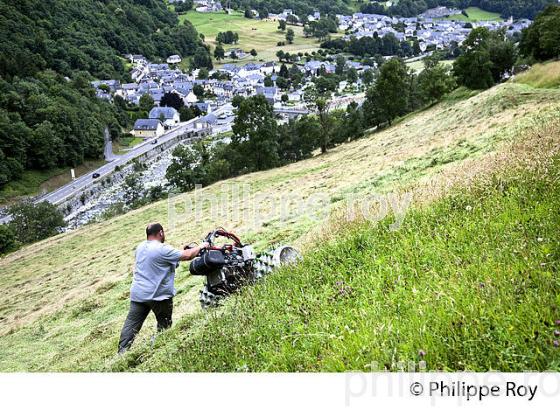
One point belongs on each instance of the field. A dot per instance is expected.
(260, 35)
(418, 65)
(476, 14)
(63, 300)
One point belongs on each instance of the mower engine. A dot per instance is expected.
(231, 266)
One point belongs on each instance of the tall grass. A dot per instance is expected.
(545, 75)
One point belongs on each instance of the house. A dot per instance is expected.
(174, 59)
(190, 98)
(168, 115)
(148, 128)
(271, 93)
(204, 107)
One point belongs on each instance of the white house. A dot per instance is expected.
(144, 128)
(168, 115)
(190, 98)
(174, 59)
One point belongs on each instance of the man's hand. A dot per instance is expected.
(191, 253)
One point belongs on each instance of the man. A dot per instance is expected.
(153, 283)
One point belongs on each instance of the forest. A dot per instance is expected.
(50, 51)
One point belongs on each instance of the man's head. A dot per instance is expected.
(154, 232)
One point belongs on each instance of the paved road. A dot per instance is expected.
(66, 191)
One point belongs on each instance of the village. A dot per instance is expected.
(210, 93)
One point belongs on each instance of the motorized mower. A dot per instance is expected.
(232, 265)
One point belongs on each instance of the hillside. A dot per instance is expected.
(64, 299)
(50, 118)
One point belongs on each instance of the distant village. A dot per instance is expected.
(157, 79)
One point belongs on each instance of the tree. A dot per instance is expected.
(183, 173)
(202, 58)
(389, 97)
(284, 98)
(146, 102)
(282, 25)
(263, 13)
(198, 90)
(284, 71)
(280, 54)
(290, 36)
(435, 80)
(248, 14)
(237, 100)
(255, 136)
(186, 113)
(33, 222)
(474, 68)
(253, 52)
(203, 73)
(352, 75)
(183, 6)
(219, 53)
(340, 65)
(8, 242)
(133, 190)
(367, 77)
(172, 99)
(268, 81)
(503, 55)
(542, 39)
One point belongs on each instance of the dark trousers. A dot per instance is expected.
(163, 309)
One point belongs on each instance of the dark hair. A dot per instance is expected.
(153, 229)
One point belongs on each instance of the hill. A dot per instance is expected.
(50, 118)
(64, 299)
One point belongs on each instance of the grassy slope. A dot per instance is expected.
(263, 38)
(545, 75)
(471, 280)
(476, 14)
(63, 300)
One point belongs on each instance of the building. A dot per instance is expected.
(174, 59)
(147, 128)
(169, 116)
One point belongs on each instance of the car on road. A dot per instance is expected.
(96, 175)
(154, 142)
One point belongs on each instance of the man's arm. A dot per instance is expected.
(191, 253)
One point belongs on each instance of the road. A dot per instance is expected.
(66, 191)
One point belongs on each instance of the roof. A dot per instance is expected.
(146, 124)
(167, 112)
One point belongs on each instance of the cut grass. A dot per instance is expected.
(545, 75)
(262, 35)
(63, 300)
(476, 14)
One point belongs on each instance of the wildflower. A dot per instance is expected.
(421, 353)
(556, 343)
(557, 333)
(468, 208)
